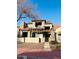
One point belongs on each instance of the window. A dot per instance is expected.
(33, 34)
(59, 34)
(47, 28)
(24, 34)
(38, 23)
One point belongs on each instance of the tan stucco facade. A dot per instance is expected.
(58, 34)
(36, 34)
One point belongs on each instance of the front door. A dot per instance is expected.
(39, 40)
(46, 39)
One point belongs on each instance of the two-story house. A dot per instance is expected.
(38, 31)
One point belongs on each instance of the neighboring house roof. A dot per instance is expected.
(56, 26)
(58, 30)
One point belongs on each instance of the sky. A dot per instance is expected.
(48, 10)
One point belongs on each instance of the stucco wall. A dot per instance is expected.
(41, 37)
(20, 39)
(30, 25)
(29, 40)
(32, 40)
(58, 30)
(58, 39)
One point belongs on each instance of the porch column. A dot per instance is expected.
(28, 33)
(20, 33)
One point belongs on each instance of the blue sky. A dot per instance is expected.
(47, 9)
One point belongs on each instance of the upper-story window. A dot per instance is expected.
(38, 24)
(47, 28)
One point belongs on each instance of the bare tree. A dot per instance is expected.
(20, 1)
(27, 10)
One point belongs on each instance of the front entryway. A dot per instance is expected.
(39, 40)
(46, 39)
